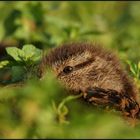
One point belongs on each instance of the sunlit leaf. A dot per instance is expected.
(15, 52)
(139, 65)
(4, 63)
(31, 52)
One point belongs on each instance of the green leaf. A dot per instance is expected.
(4, 63)
(93, 32)
(31, 52)
(134, 68)
(18, 73)
(139, 65)
(15, 52)
(9, 22)
(64, 110)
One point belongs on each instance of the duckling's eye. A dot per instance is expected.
(68, 69)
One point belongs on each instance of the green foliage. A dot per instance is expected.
(23, 66)
(27, 54)
(42, 108)
(135, 69)
(15, 53)
(4, 63)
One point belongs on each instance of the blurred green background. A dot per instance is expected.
(43, 109)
